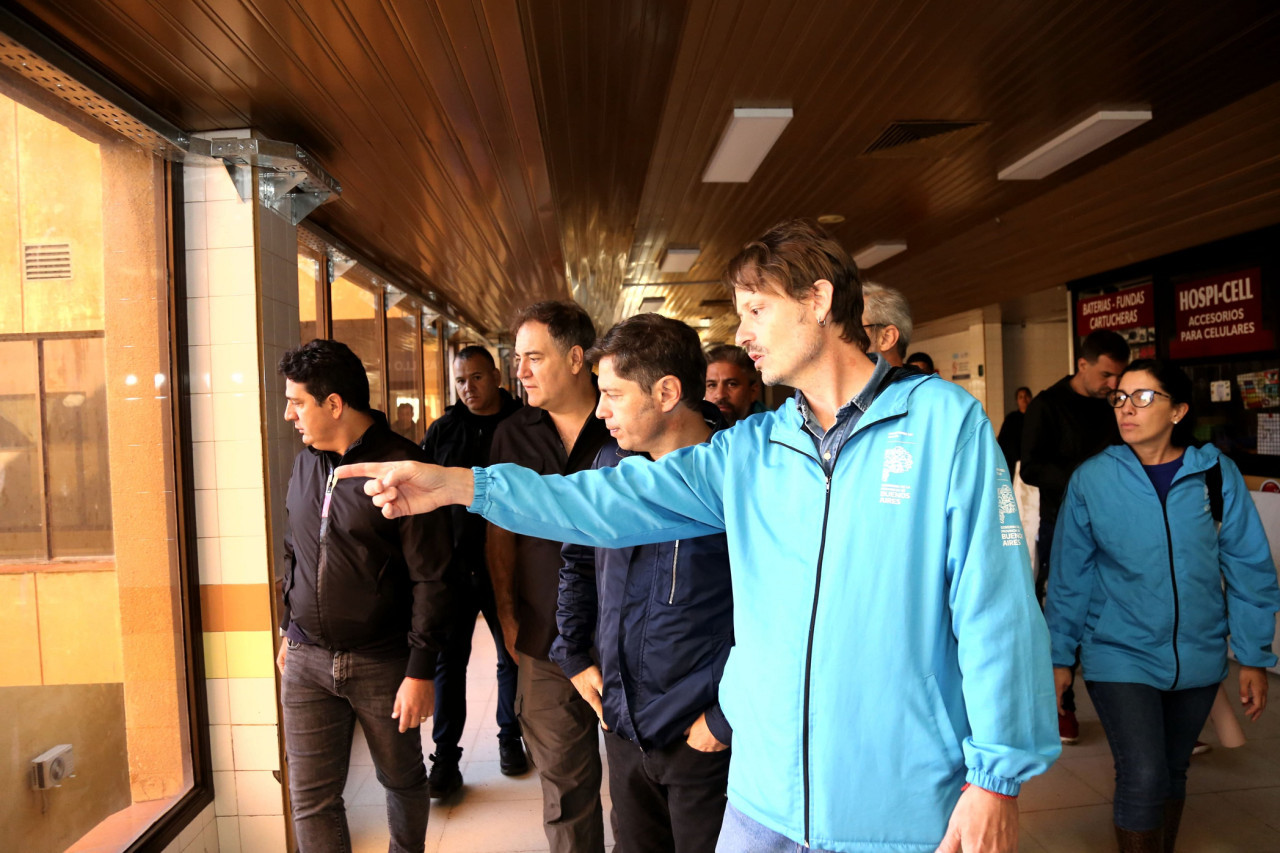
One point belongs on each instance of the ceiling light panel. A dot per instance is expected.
(679, 258)
(869, 256)
(745, 143)
(1082, 138)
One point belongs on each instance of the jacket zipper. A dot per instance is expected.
(671, 599)
(322, 560)
(1173, 579)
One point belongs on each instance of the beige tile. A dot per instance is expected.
(224, 792)
(241, 512)
(239, 462)
(189, 833)
(360, 748)
(234, 368)
(258, 793)
(363, 787)
(197, 269)
(215, 654)
(1057, 789)
(1230, 770)
(233, 319)
(217, 697)
(251, 701)
(194, 229)
(1214, 822)
(494, 827)
(262, 834)
(198, 321)
(1086, 828)
(483, 781)
(237, 417)
(221, 748)
(193, 183)
(201, 417)
(218, 185)
(209, 553)
(200, 364)
(1096, 771)
(205, 472)
(208, 842)
(244, 559)
(206, 512)
(250, 654)
(229, 226)
(228, 834)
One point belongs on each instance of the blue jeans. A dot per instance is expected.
(451, 671)
(1152, 733)
(741, 834)
(323, 693)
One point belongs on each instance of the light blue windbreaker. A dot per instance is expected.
(858, 603)
(1138, 586)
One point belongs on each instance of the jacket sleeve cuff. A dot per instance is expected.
(966, 786)
(572, 664)
(480, 497)
(422, 664)
(719, 725)
(994, 784)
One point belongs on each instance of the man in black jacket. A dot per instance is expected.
(658, 618)
(365, 608)
(1065, 424)
(460, 438)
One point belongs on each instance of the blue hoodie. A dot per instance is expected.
(858, 602)
(1138, 585)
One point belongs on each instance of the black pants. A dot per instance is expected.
(1044, 545)
(668, 800)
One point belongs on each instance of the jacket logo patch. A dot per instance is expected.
(1010, 534)
(897, 460)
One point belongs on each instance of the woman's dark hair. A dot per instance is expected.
(327, 367)
(1177, 384)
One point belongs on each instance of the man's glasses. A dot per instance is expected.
(1141, 398)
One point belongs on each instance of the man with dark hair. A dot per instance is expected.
(462, 437)
(1067, 423)
(658, 617)
(557, 433)
(886, 317)
(922, 362)
(365, 608)
(732, 382)
(889, 686)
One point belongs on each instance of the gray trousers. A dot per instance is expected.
(562, 733)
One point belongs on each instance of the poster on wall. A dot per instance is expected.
(1130, 312)
(1260, 390)
(1219, 316)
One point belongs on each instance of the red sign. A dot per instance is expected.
(1131, 308)
(1220, 316)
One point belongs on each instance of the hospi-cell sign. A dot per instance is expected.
(1219, 316)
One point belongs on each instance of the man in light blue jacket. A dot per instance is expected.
(890, 687)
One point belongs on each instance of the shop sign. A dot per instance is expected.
(1131, 308)
(1219, 316)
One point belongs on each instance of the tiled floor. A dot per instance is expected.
(1233, 804)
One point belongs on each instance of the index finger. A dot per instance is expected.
(373, 470)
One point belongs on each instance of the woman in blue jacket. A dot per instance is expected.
(1137, 580)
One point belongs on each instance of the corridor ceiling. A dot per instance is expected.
(503, 151)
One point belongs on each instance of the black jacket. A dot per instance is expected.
(362, 581)
(661, 620)
(1062, 430)
(459, 439)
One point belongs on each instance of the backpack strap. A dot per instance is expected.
(1213, 482)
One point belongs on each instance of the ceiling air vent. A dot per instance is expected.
(923, 138)
(46, 261)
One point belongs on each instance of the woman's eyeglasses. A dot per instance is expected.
(1141, 398)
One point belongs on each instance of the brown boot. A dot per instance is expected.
(1150, 841)
(1172, 817)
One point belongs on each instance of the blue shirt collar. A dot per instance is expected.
(861, 400)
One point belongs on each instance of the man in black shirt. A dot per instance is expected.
(366, 608)
(1066, 424)
(557, 433)
(1010, 437)
(460, 438)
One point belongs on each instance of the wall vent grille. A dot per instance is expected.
(46, 261)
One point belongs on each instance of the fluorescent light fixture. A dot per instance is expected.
(1084, 137)
(869, 256)
(678, 258)
(650, 304)
(744, 144)
(704, 323)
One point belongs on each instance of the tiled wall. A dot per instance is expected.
(228, 269)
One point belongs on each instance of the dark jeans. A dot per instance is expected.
(1152, 733)
(1044, 544)
(667, 800)
(451, 671)
(323, 693)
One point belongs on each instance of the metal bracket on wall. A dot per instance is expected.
(290, 181)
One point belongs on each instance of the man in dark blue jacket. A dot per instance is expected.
(461, 437)
(660, 616)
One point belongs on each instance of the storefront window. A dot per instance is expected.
(356, 323)
(433, 395)
(404, 366)
(312, 272)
